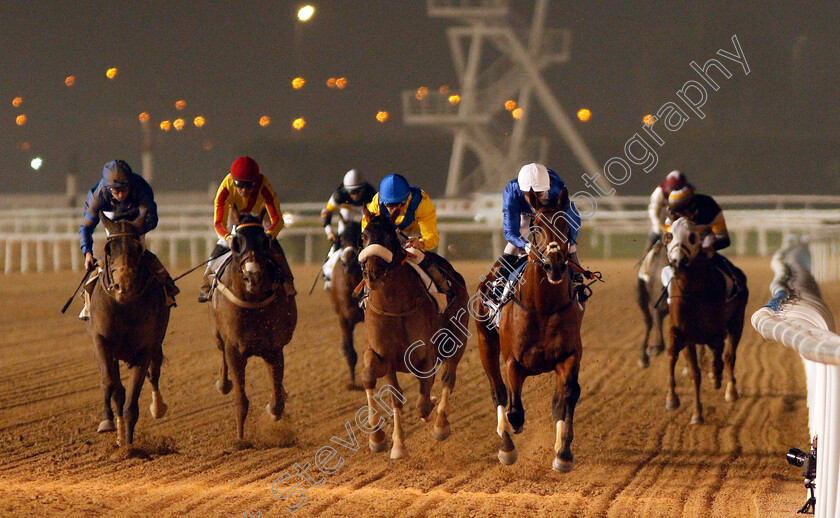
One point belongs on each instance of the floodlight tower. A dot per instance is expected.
(495, 62)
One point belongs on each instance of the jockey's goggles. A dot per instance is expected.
(355, 190)
(242, 184)
(119, 189)
(394, 205)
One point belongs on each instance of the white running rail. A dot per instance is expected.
(797, 318)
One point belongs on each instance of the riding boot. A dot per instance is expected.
(87, 290)
(435, 273)
(285, 272)
(163, 277)
(206, 288)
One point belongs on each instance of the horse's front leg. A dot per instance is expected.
(690, 354)
(276, 365)
(374, 367)
(136, 379)
(109, 382)
(347, 349)
(672, 401)
(566, 395)
(236, 361)
(223, 384)
(516, 379)
(398, 449)
(158, 407)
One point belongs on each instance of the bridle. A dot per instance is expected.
(109, 269)
(549, 248)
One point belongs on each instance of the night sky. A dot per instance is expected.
(773, 131)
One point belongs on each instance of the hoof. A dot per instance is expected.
(224, 386)
(644, 362)
(672, 404)
(731, 393)
(507, 457)
(106, 425)
(398, 452)
(377, 447)
(562, 466)
(441, 433)
(270, 413)
(158, 409)
(698, 419)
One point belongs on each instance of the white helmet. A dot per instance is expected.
(534, 176)
(353, 180)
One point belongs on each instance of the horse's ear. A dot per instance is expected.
(564, 198)
(368, 215)
(107, 222)
(140, 221)
(532, 199)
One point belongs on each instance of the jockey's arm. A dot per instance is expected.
(146, 203)
(716, 235)
(90, 220)
(658, 202)
(511, 218)
(373, 209)
(327, 214)
(426, 218)
(272, 205)
(220, 209)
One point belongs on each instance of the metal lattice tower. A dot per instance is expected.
(495, 62)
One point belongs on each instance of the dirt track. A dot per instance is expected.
(633, 457)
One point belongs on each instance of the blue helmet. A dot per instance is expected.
(116, 173)
(393, 189)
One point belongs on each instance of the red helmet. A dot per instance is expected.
(245, 169)
(674, 182)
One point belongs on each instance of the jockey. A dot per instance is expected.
(518, 215)
(125, 195)
(411, 210)
(249, 191)
(707, 216)
(347, 200)
(658, 206)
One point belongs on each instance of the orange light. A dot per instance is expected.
(454, 99)
(70, 80)
(382, 116)
(649, 119)
(180, 105)
(444, 89)
(165, 125)
(421, 94)
(516, 113)
(584, 114)
(331, 82)
(17, 101)
(265, 120)
(24, 146)
(179, 124)
(20, 120)
(207, 145)
(298, 82)
(111, 73)
(144, 117)
(340, 83)
(298, 123)
(510, 105)
(199, 121)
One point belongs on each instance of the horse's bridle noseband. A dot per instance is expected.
(108, 279)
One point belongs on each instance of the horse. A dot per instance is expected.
(346, 276)
(701, 314)
(128, 321)
(654, 309)
(406, 333)
(538, 332)
(251, 315)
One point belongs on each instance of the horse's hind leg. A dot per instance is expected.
(347, 349)
(658, 326)
(672, 400)
(645, 306)
(441, 429)
(223, 384)
(398, 449)
(729, 354)
(158, 407)
(516, 411)
(132, 411)
(566, 395)
(109, 375)
(690, 354)
(717, 363)
(237, 365)
(276, 365)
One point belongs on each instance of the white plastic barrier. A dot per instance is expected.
(797, 318)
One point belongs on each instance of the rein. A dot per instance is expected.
(107, 280)
(390, 314)
(224, 290)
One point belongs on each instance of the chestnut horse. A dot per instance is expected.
(252, 316)
(128, 321)
(406, 333)
(701, 314)
(346, 276)
(539, 332)
(654, 308)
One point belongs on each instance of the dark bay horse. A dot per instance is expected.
(406, 333)
(648, 295)
(252, 316)
(539, 332)
(700, 314)
(346, 276)
(128, 321)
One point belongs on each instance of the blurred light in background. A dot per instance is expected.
(510, 105)
(199, 121)
(305, 13)
(331, 82)
(17, 101)
(20, 120)
(165, 125)
(70, 80)
(265, 120)
(179, 124)
(444, 89)
(454, 99)
(111, 73)
(341, 82)
(288, 218)
(298, 123)
(584, 114)
(24, 146)
(648, 119)
(180, 105)
(207, 145)
(382, 116)
(516, 113)
(298, 82)
(144, 117)
(422, 92)
(36, 163)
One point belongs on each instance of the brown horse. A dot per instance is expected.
(701, 314)
(252, 316)
(346, 276)
(406, 333)
(654, 309)
(539, 332)
(128, 321)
